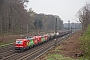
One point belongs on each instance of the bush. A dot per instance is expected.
(85, 40)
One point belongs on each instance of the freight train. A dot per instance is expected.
(28, 42)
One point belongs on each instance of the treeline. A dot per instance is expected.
(48, 21)
(14, 19)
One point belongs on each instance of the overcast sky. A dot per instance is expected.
(65, 9)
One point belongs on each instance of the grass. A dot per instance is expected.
(58, 57)
(3, 44)
(55, 54)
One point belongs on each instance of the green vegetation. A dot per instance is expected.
(85, 40)
(56, 55)
(8, 42)
(4, 45)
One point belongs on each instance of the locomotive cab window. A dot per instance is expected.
(18, 42)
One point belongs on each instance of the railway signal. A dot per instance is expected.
(68, 24)
(55, 32)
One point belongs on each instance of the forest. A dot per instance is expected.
(15, 19)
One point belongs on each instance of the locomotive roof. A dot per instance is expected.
(21, 39)
(30, 38)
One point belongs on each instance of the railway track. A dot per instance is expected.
(7, 50)
(31, 53)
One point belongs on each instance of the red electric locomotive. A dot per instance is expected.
(21, 44)
(38, 39)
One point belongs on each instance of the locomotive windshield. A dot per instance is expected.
(18, 42)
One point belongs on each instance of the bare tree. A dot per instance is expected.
(84, 16)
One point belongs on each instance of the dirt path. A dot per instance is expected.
(68, 48)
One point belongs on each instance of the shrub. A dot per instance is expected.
(85, 40)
